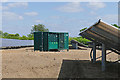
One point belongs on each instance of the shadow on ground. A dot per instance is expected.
(86, 69)
(82, 70)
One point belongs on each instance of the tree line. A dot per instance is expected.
(16, 36)
(39, 27)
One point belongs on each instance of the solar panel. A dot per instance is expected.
(15, 42)
(107, 35)
(102, 32)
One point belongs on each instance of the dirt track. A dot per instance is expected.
(25, 63)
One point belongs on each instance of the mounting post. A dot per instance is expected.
(103, 56)
(94, 52)
(76, 45)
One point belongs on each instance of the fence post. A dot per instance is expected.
(103, 56)
(94, 52)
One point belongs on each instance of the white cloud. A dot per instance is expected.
(21, 17)
(4, 0)
(92, 12)
(4, 8)
(15, 4)
(96, 5)
(0, 7)
(71, 7)
(38, 21)
(55, 17)
(11, 16)
(31, 13)
(18, 4)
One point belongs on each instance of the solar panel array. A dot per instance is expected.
(15, 43)
(102, 32)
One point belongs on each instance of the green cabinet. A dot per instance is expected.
(46, 41)
(66, 42)
(38, 45)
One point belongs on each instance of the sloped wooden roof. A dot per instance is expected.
(103, 33)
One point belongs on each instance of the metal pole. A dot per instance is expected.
(76, 45)
(103, 56)
(91, 55)
(94, 52)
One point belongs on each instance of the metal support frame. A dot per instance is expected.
(91, 54)
(103, 56)
(76, 45)
(94, 52)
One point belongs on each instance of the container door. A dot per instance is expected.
(53, 41)
(61, 41)
(38, 41)
(66, 42)
(45, 41)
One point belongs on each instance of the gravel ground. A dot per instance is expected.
(25, 63)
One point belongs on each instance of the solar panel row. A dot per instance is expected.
(102, 32)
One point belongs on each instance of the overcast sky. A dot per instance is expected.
(56, 16)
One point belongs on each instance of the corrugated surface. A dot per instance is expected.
(103, 33)
(66, 41)
(38, 41)
(53, 41)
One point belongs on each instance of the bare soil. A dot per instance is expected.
(25, 63)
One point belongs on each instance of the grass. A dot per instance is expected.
(79, 39)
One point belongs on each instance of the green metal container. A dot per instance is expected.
(46, 41)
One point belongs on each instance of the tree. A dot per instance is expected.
(23, 38)
(39, 27)
(5, 34)
(11, 34)
(30, 36)
(83, 29)
(17, 35)
(116, 25)
(1, 33)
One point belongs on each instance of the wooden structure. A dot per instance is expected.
(105, 34)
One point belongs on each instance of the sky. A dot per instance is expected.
(19, 17)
